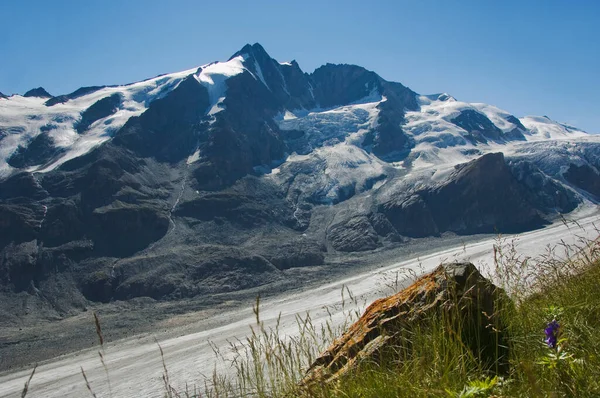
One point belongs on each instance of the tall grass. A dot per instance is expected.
(562, 284)
(436, 361)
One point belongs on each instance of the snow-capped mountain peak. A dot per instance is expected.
(336, 103)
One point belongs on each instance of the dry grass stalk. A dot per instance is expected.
(87, 384)
(98, 329)
(26, 387)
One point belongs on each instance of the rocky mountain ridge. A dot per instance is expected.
(219, 178)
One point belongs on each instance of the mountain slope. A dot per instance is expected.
(221, 177)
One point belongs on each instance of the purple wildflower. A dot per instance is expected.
(552, 333)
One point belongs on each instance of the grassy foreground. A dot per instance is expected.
(562, 286)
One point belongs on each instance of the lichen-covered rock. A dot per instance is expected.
(457, 290)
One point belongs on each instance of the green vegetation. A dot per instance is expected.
(561, 285)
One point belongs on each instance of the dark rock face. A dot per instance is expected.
(516, 122)
(2, 95)
(287, 84)
(298, 253)
(584, 177)
(518, 133)
(19, 222)
(244, 134)
(80, 92)
(185, 272)
(241, 209)
(543, 191)
(343, 84)
(39, 151)
(298, 85)
(353, 235)
(384, 228)
(478, 126)
(389, 142)
(64, 222)
(37, 92)
(168, 130)
(480, 196)
(410, 216)
(101, 109)
(122, 229)
(455, 292)
(22, 186)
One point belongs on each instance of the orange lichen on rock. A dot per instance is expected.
(456, 288)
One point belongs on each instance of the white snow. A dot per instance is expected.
(496, 115)
(260, 74)
(213, 77)
(23, 117)
(441, 142)
(193, 158)
(543, 128)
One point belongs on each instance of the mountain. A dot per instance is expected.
(221, 177)
(39, 92)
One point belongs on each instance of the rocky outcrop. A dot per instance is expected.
(353, 235)
(286, 82)
(478, 126)
(100, 109)
(39, 151)
(584, 177)
(542, 190)
(456, 293)
(345, 84)
(80, 92)
(39, 92)
(482, 196)
(479, 196)
(169, 129)
(22, 185)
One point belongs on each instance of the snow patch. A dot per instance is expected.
(214, 76)
(543, 128)
(260, 74)
(193, 157)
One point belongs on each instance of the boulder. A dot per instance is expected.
(456, 290)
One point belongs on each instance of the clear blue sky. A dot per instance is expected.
(528, 57)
